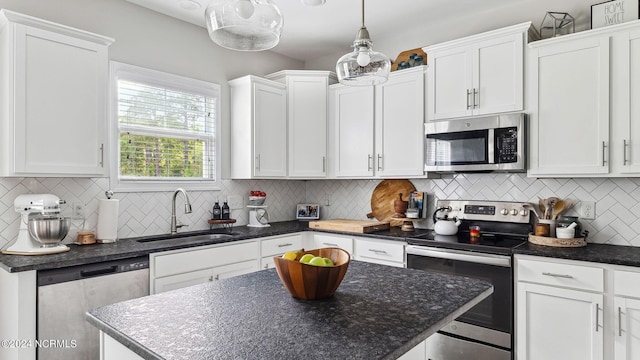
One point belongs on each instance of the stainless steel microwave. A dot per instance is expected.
(491, 143)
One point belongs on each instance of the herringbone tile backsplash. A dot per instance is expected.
(617, 201)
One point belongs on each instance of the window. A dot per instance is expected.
(164, 129)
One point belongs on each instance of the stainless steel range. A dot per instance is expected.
(485, 332)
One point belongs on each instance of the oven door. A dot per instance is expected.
(492, 315)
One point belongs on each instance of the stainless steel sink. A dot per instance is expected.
(185, 239)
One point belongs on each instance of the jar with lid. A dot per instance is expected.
(418, 61)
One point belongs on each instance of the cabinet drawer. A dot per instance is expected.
(625, 283)
(379, 250)
(345, 243)
(565, 275)
(191, 260)
(280, 245)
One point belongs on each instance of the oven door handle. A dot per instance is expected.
(486, 259)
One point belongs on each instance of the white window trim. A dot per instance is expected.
(159, 78)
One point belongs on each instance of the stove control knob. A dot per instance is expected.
(504, 212)
(523, 212)
(514, 212)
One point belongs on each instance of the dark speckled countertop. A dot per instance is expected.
(600, 253)
(378, 312)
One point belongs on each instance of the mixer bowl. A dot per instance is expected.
(48, 231)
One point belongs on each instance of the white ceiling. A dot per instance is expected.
(315, 31)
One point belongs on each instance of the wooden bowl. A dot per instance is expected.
(310, 282)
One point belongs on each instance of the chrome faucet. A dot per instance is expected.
(187, 209)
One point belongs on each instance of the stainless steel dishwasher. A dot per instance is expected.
(66, 294)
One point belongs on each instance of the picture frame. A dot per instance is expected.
(614, 12)
(308, 212)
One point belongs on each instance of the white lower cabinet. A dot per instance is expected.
(418, 352)
(385, 252)
(345, 242)
(576, 310)
(276, 246)
(176, 269)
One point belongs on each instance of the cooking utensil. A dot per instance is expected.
(542, 206)
(48, 230)
(383, 197)
(558, 207)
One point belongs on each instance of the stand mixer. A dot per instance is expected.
(41, 226)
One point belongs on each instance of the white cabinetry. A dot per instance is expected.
(276, 246)
(53, 112)
(581, 89)
(385, 252)
(477, 75)
(258, 128)
(307, 117)
(576, 310)
(344, 242)
(185, 267)
(378, 131)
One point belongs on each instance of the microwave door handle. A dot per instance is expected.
(491, 149)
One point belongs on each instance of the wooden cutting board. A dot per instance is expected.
(383, 196)
(348, 225)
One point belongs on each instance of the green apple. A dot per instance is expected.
(306, 258)
(328, 262)
(317, 261)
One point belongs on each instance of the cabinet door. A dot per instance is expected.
(498, 75)
(352, 109)
(627, 58)
(400, 125)
(627, 328)
(60, 104)
(270, 131)
(449, 84)
(179, 281)
(324, 240)
(556, 323)
(569, 110)
(308, 104)
(231, 270)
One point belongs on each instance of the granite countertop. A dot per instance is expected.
(130, 247)
(600, 253)
(378, 312)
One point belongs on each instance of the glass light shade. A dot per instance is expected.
(314, 2)
(246, 25)
(353, 70)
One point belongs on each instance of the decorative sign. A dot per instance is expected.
(613, 12)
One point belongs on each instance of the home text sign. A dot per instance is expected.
(613, 12)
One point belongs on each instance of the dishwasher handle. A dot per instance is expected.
(97, 272)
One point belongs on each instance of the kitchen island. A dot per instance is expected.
(378, 312)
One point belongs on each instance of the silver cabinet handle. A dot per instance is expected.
(476, 99)
(101, 155)
(468, 101)
(217, 277)
(324, 164)
(624, 152)
(558, 275)
(284, 245)
(604, 146)
(369, 166)
(258, 162)
(379, 162)
(266, 266)
(378, 251)
(330, 244)
(597, 316)
(619, 321)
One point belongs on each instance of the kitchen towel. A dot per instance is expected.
(107, 229)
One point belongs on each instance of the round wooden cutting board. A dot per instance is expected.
(383, 196)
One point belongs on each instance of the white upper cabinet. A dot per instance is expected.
(53, 112)
(307, 116)
(258, 128)
(377, 131)
(477, 75)
(583, 120)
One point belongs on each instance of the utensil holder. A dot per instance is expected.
(552, 226)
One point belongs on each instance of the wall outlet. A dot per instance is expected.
(588, 210)
(235, 202)
(78, 210)
(327, 199)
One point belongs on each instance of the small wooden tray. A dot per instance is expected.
(557, 242)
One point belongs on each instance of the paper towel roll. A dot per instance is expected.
(107, 229)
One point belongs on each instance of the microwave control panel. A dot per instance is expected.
(506, 142)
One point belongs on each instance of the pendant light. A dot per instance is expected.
(245, 25)
(314, 2)
(363, 66)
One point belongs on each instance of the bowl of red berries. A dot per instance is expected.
(257, 197)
